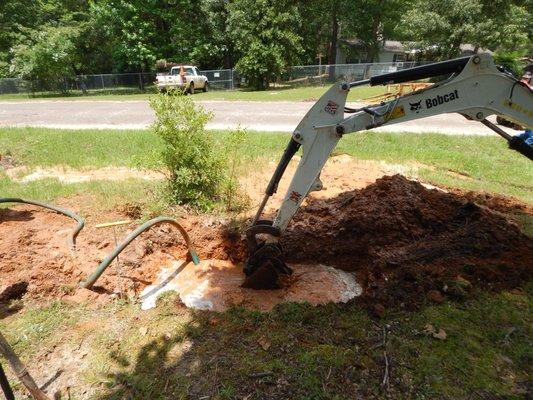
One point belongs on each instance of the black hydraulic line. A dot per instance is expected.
(89, 282)
(80, 221)
(4, 384)
(515, 143)
(290, 151)
(424, 71)
(359, 83)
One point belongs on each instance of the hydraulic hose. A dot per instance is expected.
(89, 282)
(80, 221)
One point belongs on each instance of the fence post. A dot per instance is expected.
(141, 83)
(102, 79)
(231, 74)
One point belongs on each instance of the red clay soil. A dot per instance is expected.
(35, 260)
(408, 243)
(403, 241)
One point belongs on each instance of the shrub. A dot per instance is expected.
(235, 200)
(509, 60)
(190, 153)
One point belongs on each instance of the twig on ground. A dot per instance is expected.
(261, 375)
(386, 374)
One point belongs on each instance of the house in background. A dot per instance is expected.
(352, 51)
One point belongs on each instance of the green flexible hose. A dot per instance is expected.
(68, 213)
(89, 282)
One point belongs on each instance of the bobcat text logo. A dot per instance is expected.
(438, 99)
(416, 106)
(331, 107)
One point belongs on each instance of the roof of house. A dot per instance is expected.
(395, 46)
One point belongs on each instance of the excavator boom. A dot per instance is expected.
(474, 88)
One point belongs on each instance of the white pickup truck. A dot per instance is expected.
(184, 77)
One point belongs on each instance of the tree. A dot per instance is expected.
(141, 32)
(48, 57)
(372, 21)
(22, 20)
(265, 32)
(214, 47)
(443, 25)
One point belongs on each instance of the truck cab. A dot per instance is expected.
(184, 77)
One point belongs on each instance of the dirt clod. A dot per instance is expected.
(404, 240)
(435, 296)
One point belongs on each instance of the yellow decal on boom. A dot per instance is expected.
(397, 112)
(519, 108)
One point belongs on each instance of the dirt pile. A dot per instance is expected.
(405, 242)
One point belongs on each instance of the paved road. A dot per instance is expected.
(261, 116)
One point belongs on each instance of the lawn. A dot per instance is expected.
(325, 352)
(467, 162)
(296, 351)
(306, 93)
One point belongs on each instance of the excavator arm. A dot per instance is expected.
(475, 88)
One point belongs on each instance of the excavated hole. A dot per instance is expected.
(402, 241)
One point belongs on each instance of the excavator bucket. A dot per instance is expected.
(265, 268)
(265, 277)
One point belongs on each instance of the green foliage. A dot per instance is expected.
(190, 154)
(234, 198)
(265, 32)
(447, 24)
(510, 60)
(261, 38)
(371, 22)
(48, 57)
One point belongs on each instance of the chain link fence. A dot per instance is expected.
(322, 74)
(223, 79)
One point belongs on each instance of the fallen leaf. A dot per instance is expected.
(264, 343)
(431, 331)
(441, 334)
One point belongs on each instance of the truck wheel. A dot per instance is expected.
(206, 87)
(191, 88)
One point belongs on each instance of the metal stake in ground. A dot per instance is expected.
(4, 384)
(20, 370)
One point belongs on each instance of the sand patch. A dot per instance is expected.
(69, 175)
(216, 285)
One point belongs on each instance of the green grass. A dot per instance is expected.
(305, 93)
(102, 194)
(325, 352)
(468, 162)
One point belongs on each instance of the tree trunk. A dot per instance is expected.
(332, 54)
(20, 370)
(373, 47)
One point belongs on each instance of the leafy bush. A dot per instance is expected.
(195, 164)
(235, 200)
(510, 60)
(48, 58)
